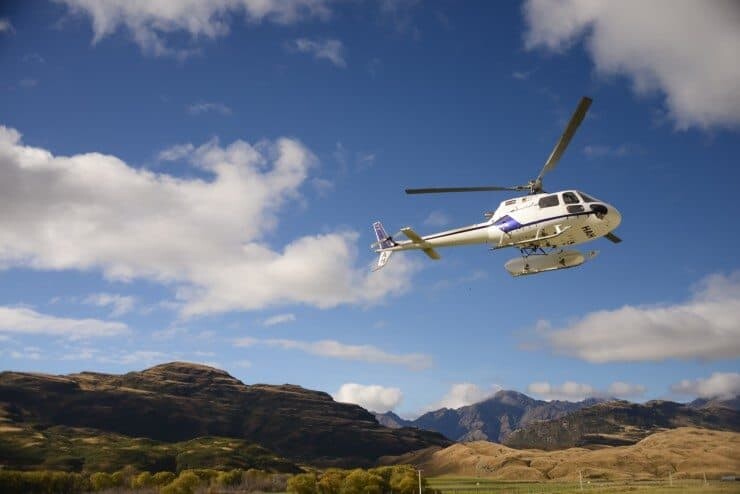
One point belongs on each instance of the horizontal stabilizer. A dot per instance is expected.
(431, 253)
(415, 238)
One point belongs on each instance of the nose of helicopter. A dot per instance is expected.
(613, 216)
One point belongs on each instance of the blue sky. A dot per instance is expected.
(197, 182)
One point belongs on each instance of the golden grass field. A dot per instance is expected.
(480, 485)
(678, 454)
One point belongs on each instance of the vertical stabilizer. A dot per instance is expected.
(385, 241)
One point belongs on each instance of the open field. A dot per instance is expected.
(482, 485)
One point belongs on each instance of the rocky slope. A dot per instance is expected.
(619, 423)
(493, 419)
(181, 401)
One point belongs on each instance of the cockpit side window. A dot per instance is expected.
(549, 201)
(570, 198)
(587, 198)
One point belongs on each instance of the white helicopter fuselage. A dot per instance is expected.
(533, 221)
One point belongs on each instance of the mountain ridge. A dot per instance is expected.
(492, 419)
(166, 403)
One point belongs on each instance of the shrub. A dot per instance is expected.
(304, 483)
(144, 479)
(163, 478)
(331, 481)
(99, 481)
(231, 478)
(12, 482)
(184, 484)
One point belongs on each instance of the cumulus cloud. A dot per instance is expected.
(704, 327)
(206, 107)
(148, 23)
(719, 384)
(464, 394)
(342, 351)
(620, 389)
(138, 357)
(176, 152)
(373, 397)
(569, 390)
(279, 319)
(201, 235)
(685, 49)
(575, 391)
(328, 49)
(119, 304)
(22, 320)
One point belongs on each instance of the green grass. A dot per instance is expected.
(474, 485)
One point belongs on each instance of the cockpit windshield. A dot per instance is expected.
(570, 198)
(586, 198)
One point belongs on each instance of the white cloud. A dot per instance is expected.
(279, 319)
(683, 48)
(150, 21)
(27, 321)
(202, 236)
(6, 26)
(119, 304)
(569, 390)
(328, 49)
(370, 397)
(206, 107)
(28, 353)
(176, 152)
(464, 394)
(437, 219)
(719, 384)
(322, 186)
(620, 389)
(138, 357)
(704, 327)
(342, 351)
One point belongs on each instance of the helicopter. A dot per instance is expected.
(542, 225)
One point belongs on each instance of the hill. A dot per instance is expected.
(684, 452)
(619, 423)
(178, 401)
(493, 419)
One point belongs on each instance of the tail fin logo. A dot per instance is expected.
(385, 241)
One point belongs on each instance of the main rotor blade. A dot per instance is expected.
(613, 237)
(439, 190)
(564, 140)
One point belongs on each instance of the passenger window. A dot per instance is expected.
(549, 201)
(570, 198)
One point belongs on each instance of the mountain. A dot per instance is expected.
(733, 403)
(619, 423)
(493, 419)
(180, 401)
(390, 419)
(685, 452)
